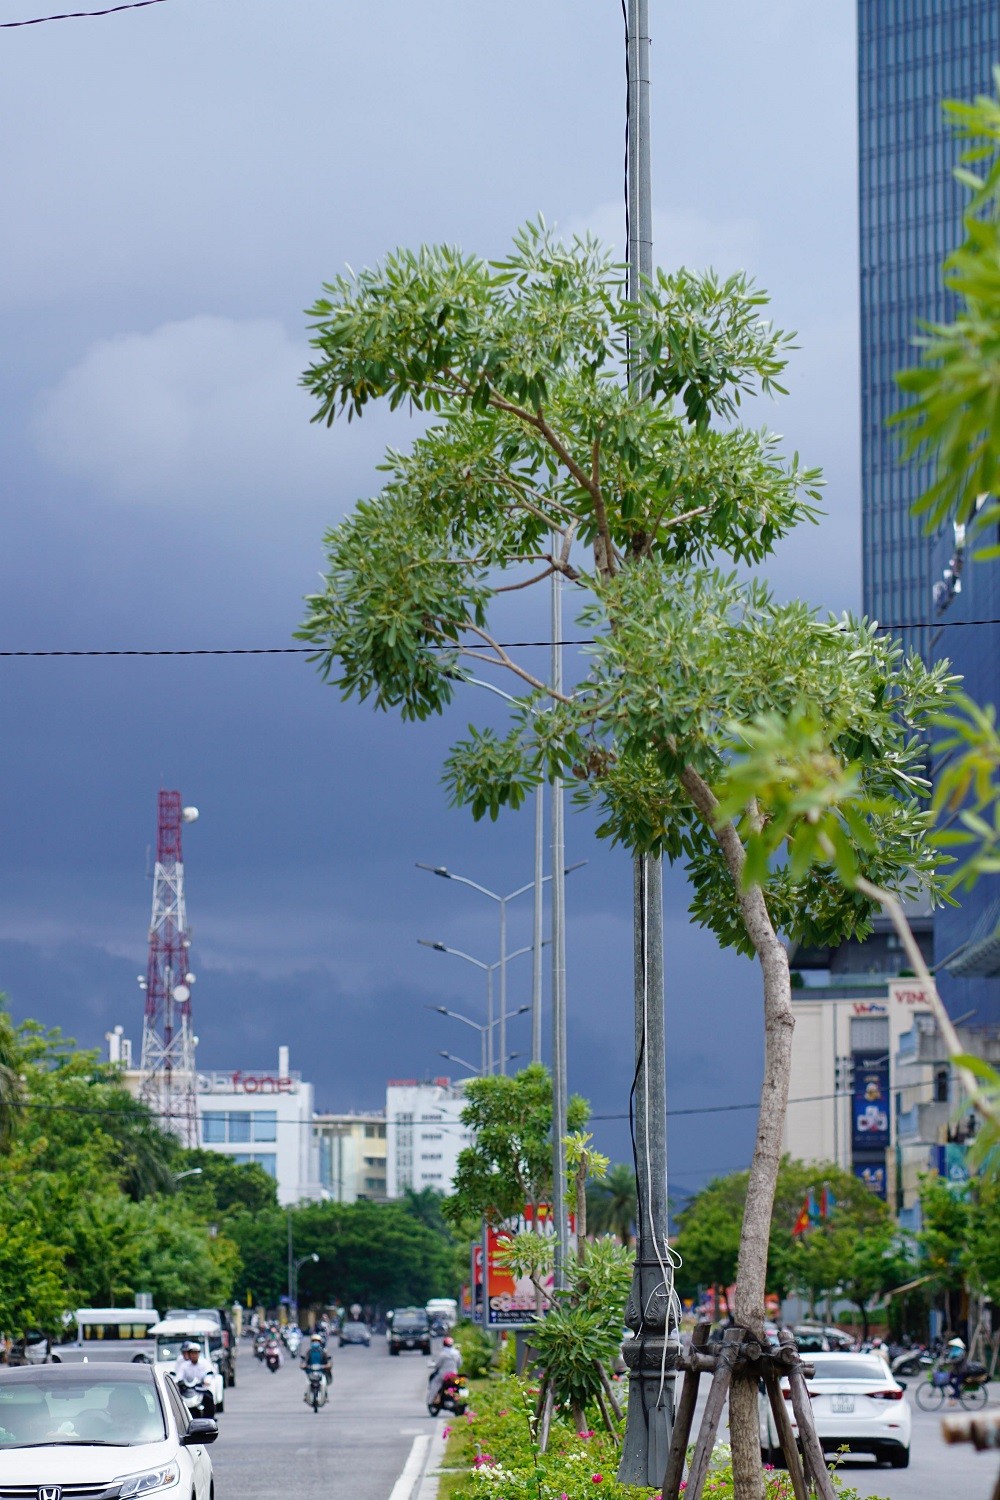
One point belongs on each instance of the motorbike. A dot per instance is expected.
(293, 1338)
(911, 1362)
(272, 1357)
(453, 1396)
(316, 1392)
(194, 1394)
(260, 1344)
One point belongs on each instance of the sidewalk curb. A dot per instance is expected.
(426, 1487)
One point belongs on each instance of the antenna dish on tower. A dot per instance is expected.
(190, 815)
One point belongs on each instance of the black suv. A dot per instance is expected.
(411, 1329)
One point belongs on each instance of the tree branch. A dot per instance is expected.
(503, 660)
(511, 588)
(605, 555)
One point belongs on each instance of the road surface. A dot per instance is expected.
(272, 1446)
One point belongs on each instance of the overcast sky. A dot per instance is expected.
(177, 181)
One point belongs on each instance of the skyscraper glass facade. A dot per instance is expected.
(912, 55)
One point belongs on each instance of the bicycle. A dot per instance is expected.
(936, 1389)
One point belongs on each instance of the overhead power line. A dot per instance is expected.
(430, 645)
(80, 15)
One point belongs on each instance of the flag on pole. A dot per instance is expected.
(802, 1222)
(813, 1202)
(827, 1202)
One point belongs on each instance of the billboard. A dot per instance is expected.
(952, 1166)
(870, 1103)
(510, 1303)
(872, 1174)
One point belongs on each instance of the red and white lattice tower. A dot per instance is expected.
(168, 1080)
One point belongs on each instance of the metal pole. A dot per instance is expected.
(651, 1355)
(489, 1019)
(536, 940)
(503, 984)
(559, 1091)
(291, 1262)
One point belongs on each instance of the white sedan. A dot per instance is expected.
(856, 1403)
(117, 1427)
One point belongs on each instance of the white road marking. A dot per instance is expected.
(412, 1469)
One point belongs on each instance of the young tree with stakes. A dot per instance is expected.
(539, 460)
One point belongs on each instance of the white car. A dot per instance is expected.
(857, 1404)
(120, 1428)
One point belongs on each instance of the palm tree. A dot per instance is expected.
(11, 1087)
(611, 1203)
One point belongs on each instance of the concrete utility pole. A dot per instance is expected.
(651, 1355)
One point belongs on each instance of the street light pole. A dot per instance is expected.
(502, 902)
(651, 1355)
(489, 970)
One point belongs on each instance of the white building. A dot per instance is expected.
(256, 1116)
(350, 1156)
(424, 1134)
(262, 1117)
(843, 1100)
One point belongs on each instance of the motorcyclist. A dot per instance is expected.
(448, 1362)
(192, 1368)
(316, 1358)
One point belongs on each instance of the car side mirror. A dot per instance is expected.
(902, 1384)
(201, 1430)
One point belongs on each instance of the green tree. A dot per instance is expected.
(709, 1239)
(224, 1186)
(611, 1205)
(509, 1163)
(540, 461)
(943, 1237)
(10, 1081)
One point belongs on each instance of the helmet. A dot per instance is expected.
(447, 1341)
(317, 1338)
(190, 1346)
(956, 1345)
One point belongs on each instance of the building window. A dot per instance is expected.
(374, 1132)
(373, 1184)
(941, 1086)
(430, 1156)
(265, 1124)
(213, 1129)
(266, 1159)
(239, 1127)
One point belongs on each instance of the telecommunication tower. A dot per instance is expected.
(168, 1080)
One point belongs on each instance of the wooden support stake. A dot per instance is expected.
(602, 1407)
(786, 1437)
(685, 1412)
(609, 1391)
(546, 1422)
(812, 1453)
(721, 1381)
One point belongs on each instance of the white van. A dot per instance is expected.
(104, 1333)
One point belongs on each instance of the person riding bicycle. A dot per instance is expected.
(955, 1366)
(316, 1357)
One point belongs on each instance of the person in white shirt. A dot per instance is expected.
(448, 1362)
(192, 1368)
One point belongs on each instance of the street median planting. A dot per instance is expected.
(491, 1454)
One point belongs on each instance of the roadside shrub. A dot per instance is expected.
(493, 1455)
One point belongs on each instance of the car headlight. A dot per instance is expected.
(151, 1480)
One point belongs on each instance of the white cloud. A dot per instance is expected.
(681, 237)
(206, 412)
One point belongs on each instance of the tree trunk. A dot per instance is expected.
(863, 1310)
(779, 1023)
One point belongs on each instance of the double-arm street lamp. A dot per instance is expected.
(465, 1063)
(501, 964)
(485, 1034)
(489, 970)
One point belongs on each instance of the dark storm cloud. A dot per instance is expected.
(178, 191)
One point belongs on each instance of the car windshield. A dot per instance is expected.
(78, 1408)
(849, 1367)
(169, 1348)
(409, 1323)
(355, 1328)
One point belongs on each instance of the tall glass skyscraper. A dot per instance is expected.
(912, 55)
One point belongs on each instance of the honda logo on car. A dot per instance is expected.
(49, 1492)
